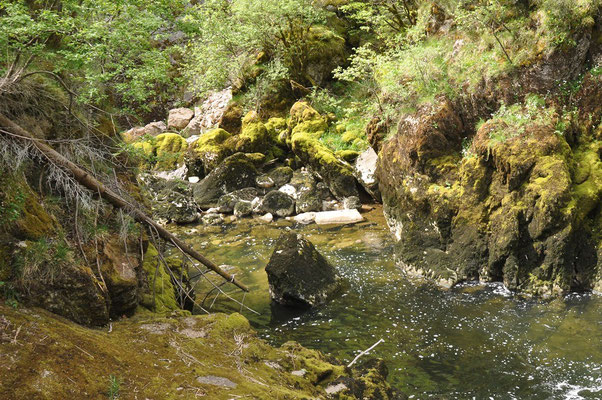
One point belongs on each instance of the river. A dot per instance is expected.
(474, 341)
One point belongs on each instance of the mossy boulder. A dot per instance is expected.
(208, 151)
(327, 51)
(68, 289)
(169, 149)
(298, 275)
(157, 291)
(231, 120)
(164, 152)
(307, 126)
(227, 202)
(22, 214)
(281, 175)
(235, 172)
(520, 206)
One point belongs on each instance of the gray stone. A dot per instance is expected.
(234, 173)
(281, 175)
(278, 203)
(243, 208)
(264, 182)
(216, 381)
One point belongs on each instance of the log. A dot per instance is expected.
(91, 183)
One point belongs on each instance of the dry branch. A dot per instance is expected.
(87, 180)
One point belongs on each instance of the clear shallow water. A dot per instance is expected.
(473, 341)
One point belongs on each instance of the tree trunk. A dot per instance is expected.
(88, 181)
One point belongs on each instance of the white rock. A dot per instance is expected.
(338, 217)
(179, 118)
(305, 218)
(193, 179)
(266, 218)
(155, 128)
(334, 389)
(192, 139)
(179, 173)
(290, 190)
(365, 166)
(209, 113)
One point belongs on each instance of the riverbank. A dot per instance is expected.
(218, 356)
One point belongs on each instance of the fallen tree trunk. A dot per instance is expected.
(91, 183)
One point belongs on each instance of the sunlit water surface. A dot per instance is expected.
(471, 342)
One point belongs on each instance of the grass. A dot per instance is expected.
(518, 116)
(114, 387)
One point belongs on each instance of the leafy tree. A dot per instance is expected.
(231, 35)
(122, 51)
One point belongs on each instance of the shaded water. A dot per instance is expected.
(473, 341)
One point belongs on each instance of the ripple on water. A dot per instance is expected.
(474, 341)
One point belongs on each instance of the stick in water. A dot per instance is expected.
(364, 352)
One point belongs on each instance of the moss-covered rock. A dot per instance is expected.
(307, 126)
(158, 293)
(209, 150)
(231, 120)
(298, 275)
(520, 207)
(170, 149)
(119, 272)
(164, 152)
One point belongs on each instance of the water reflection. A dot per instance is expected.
(474, 341)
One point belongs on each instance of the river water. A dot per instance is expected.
(471, 342)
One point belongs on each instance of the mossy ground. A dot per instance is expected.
(46, 357)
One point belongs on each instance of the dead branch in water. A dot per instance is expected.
(363, 353)
(85, 179)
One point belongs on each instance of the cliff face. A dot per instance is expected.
(515, 197)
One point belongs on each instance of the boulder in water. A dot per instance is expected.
(298, 275)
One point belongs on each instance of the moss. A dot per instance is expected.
(22, 213)
(350, 136)
(347, 155)
(587, 174)
(275, 126)
(170, 148)
(6, 269)
(154, 357)
(210, 148)
(161, 297)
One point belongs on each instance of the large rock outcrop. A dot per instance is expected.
(520, 202)
(298, 275)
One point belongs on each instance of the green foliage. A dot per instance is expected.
(486, 38)
(515, 118)
(231, 34)
(104, 50)
(11, 205)
(10, 295)
(114, 387)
